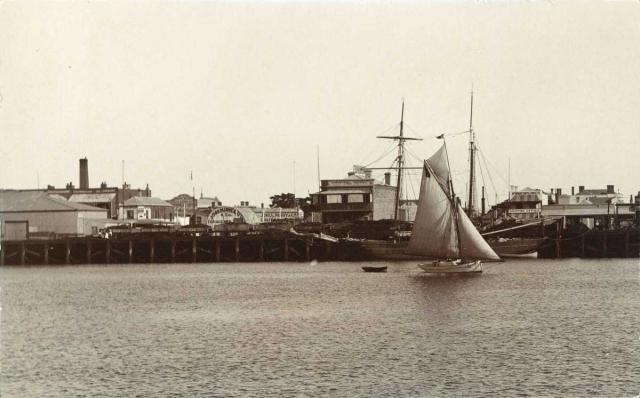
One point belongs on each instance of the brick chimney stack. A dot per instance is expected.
(84, 173)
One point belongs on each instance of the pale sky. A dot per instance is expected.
(238, 92)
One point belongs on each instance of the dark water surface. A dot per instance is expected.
(532, 327)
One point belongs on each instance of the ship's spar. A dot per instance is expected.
(401, 138)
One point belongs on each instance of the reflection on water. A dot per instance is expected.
(521, 328)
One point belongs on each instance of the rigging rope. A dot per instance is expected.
(386, 153)
(489, 174)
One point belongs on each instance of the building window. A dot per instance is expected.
(129, 214)
(355, 198)
(334, 199)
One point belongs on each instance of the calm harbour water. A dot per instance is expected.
(529, 327)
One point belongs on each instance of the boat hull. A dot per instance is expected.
(452, 267)
(389, 250)
(374, 269)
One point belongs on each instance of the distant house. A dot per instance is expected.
(204, 202)
(591, 196)
(29, 214)
(147, 208)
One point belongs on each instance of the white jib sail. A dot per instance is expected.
(473, 245)
(433, 232)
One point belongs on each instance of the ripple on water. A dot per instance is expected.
(561, 328)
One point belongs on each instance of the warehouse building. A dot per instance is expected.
(33, 214)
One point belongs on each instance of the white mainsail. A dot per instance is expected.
(440, 167)
(435, 230)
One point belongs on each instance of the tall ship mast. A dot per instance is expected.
(471, 204)
(400, 161)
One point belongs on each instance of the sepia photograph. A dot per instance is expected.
(310, 198)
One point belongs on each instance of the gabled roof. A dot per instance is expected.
(527, 189)
(27, 201)
(206, 202)
(598, 200)
(146, 201)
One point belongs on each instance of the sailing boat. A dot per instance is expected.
(442, 230)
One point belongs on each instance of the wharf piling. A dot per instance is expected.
(166, 249)
(618, 243)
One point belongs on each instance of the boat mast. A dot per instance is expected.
(400, 161)
(401, 140)
(454, 201)
(472, 150)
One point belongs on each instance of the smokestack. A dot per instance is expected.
(483, 201)
(558, 193)
(84, 173)
(580, 188)
(387, 178)
(610, 189)
(573, 192)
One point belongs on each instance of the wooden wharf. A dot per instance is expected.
(615, 243)
(166, 249)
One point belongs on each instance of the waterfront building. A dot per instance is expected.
(236, 215)
(594, 216)
(184, 205)
(208, 203)
(591, 196)
(593, 208)
(357, 197)
(526, 204)
(105, 197)
(33, 214)
(147, 208)
(188, 209)
(278, 214)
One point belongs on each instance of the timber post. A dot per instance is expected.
(626, 243)
(286, 249)
(88, 251)
(173, 251)
(22, 253)
(152, 250)
(558, 235)
(45, 253)
(604, 244)
(261, 250)
(236, 246)
(194, 248)
(130, 251)
(307, 250)
(107, 252)
(582, 239)
(2, 254)
(217, 249)
(67, 253)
